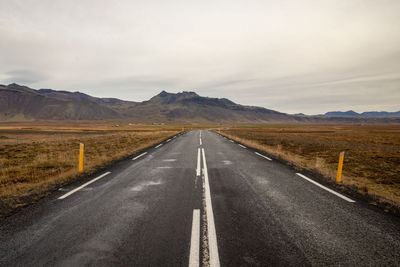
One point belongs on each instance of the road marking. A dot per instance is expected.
(198, 162)
(212, 236)
(242, 146)
(327, 189)
(84, 185)
(200, 142)
(231, 141)
(174, 137)
(195, 240)
(169, 160)
(164, 167)
(158, 145)
(168, 140)
(141, 155)
(262, 156)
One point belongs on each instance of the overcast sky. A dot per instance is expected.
(292, 56)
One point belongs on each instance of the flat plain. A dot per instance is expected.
(372, 152)
(38, 158)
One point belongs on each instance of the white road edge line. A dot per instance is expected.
(158, 145)
(194, 257)
(141, 155)
(327, 189)
(84, 185)
(212, 236)
(263, 156)
(168, 140)
(242, 146)
(200, 142)
(231, 141)
(198, 162)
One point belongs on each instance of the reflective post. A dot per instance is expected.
(339, 171)
(81, 150)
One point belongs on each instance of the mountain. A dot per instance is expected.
(381, 114)
(368, 114)
(349, 113)
(19, 103)
(190, 107)
(23, 103)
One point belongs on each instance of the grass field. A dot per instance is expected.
(36, 159)
(372, 153)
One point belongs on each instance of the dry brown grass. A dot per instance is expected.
(35, 160)
(372, 153)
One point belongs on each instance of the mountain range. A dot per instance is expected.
(19, 103)
(23, 103)
(368, 114)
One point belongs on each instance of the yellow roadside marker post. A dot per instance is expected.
(183, 129)
(339, 171)
(219, 130)
(81, 150)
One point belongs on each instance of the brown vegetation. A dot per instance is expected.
(372, 153)
(37, 159)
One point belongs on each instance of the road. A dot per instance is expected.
(199, 199)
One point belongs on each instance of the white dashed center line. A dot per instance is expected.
(194, 260)
(212, 236)
(198, 162)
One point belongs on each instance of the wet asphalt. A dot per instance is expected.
(140, 214)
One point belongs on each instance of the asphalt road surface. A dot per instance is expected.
(195, 200)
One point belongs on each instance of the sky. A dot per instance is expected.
(298, 56)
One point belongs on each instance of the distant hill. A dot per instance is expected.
(189, 107)
(19, 103)
(368, 114)
(23, 103)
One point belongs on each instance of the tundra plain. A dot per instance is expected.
(36, 159)
(372, 153)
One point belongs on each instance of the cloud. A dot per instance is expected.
(293, 56)
(27, 77)
(132, 87)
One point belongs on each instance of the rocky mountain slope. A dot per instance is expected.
(21, 103)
